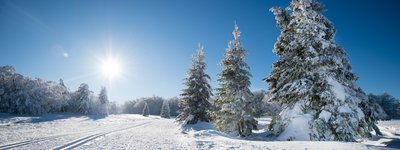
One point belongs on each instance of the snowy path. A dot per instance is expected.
(81, 132)
(155, 134)
(142, 133)
(66, 133)
(93, 136)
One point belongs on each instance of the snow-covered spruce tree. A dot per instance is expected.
(165, 111)
(195, 98)
(235, 113)
(146, 110)
(103, 101)
(313, 79)
(83, 99)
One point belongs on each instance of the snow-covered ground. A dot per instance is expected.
(391, 135)
(67, 131)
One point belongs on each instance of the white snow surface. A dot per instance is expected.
(326, 115)
(298, 129)
(295, 111)
(344, 109)
(127, 131)
(391, 136)
(337, 89)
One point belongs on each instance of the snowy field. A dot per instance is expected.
(67, 131)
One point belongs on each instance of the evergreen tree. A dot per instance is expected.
(83, 99)
(165, 111)
(313, 80)
(146, 110)
(103, 101)
(234, 100)
(195, 98)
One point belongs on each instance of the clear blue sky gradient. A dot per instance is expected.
(155, 39)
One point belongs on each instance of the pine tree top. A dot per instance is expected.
(234, 63)
(236, 32)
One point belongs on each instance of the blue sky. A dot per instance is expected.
(155, 39)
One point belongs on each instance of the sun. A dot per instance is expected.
(111, 68)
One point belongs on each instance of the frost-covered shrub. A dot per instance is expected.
(23, 95)
(82, 99)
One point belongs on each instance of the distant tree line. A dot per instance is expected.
(389, 104)
(154, 103)
(23, 95)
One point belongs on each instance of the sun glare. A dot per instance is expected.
(111, 68)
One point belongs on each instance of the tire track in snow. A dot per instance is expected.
(86, 139)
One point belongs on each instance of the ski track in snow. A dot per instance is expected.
(142, 133)
(89, 138)
(70, 133)
(52, 138)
